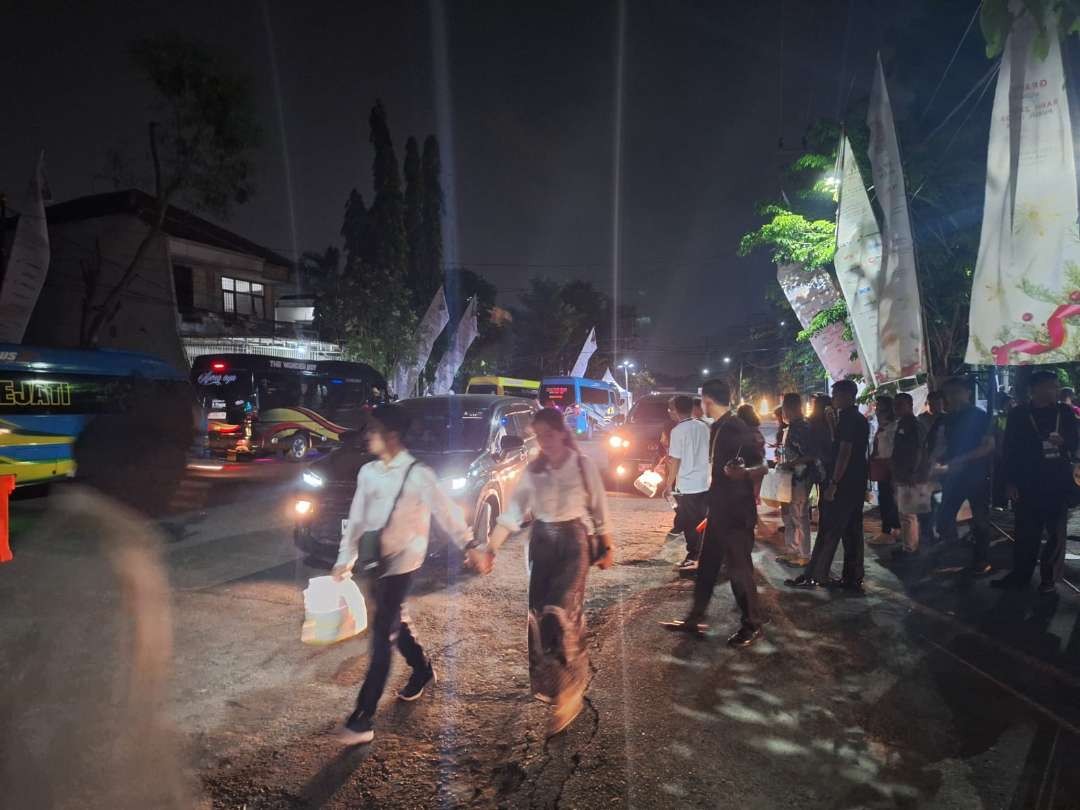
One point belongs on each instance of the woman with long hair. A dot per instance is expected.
(563, 492)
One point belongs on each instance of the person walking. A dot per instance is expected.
(966, 459)
(563, 492)
(909, 468)
(842, 498)
(738, 465)
(1040, 444)
(688, 478)
(881, 471)
(393, 504)
(801, 455)
(930, 422)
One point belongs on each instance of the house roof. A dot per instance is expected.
(178, 222)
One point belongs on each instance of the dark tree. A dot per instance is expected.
(201, 141)
(388, 208)
(357, 234)
(414, 219)
(430, 266)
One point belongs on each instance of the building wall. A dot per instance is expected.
(210, 264)
(146, 321)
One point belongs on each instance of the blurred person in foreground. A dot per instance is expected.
(688, 478)
(909, 473)
(881, 470)
(842, 499)
(1067, 396)
(966, 458)
(83, 720)
(802, 455)
(563, 492)
(738, 465)
(1040, 445)
(930, 421)
(395, 498)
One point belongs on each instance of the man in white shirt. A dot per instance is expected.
(688, 478)
(395, 498)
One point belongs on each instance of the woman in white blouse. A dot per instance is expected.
(563, 492)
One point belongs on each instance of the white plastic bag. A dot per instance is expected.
(914, 499)
(648, 483)
(333, 611)
(776, 487)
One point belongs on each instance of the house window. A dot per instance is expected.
(184, 285)
(243, 297)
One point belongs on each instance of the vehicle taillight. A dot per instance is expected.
(218, 366)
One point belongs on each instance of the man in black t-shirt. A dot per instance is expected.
(842, 498)
(964, 470)
(737, 465)
(1040, 443)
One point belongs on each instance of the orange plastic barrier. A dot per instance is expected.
(7, 486)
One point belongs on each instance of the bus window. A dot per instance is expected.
(218, 391)
(516, 391)
(596, 396)
(560, 395)
(278, 391)
(483, 389)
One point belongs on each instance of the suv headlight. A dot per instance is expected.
(458, 484)
(313, 480)
(618, 442)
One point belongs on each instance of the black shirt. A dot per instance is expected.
(965, 432)
(907, 454)
(852, 427)
(731, 502)
(1039, 471)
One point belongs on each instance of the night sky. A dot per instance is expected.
(709, 90)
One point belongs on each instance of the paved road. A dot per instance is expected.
(933, 691)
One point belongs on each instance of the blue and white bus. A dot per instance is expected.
(588, 405)
(47, 397)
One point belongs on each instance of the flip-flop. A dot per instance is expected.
(680, 626)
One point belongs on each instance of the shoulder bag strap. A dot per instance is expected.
(400, 491)
(588, 489)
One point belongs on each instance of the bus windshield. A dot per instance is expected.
(218, 391)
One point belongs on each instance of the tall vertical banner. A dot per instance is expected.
(810, 292)
(858, 259)
(587, 351)
(406, 376)
(28, 264)
(899, 318)
(466, 333)
(1025, 296)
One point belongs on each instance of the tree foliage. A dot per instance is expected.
(792, 238)
(996, 21)
(201, 138)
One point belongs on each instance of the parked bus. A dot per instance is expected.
(258, 405)
(48, 396)
(504, 387)
(589, 405)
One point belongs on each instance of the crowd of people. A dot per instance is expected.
(925, 469)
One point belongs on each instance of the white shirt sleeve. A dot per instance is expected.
(349, 548)
(598, 507)
(448, 514)
(520, 504)
(677, 443)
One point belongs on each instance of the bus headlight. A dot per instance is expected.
(313, 480)
(303, 506)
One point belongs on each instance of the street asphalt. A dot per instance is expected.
(932, 690)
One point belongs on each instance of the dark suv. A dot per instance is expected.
(635, 445)
(477, 445)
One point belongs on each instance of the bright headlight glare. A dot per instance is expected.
(458, 484)
(312, 479)
(303, 507)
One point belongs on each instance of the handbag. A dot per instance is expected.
(596, 553)
(370, 550)
(333, 611)
(776, 487)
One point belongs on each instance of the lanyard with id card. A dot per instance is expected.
(1051, 449)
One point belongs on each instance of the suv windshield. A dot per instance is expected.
(650, 409)
(439, 426)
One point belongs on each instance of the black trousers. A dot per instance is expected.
(976, 491)
(1032, 520)
(890, 514)
(690, 510)
(731, 546)
(390, 625)
(841, 521)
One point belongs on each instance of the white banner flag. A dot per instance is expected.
(28, 264)
(466, 333)
(1026, 290)
(406, 376)
(899, 324)
(587, 351)
(858, 259)
(809, 292)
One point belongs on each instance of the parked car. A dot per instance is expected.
(635, 446)
(477, 445)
